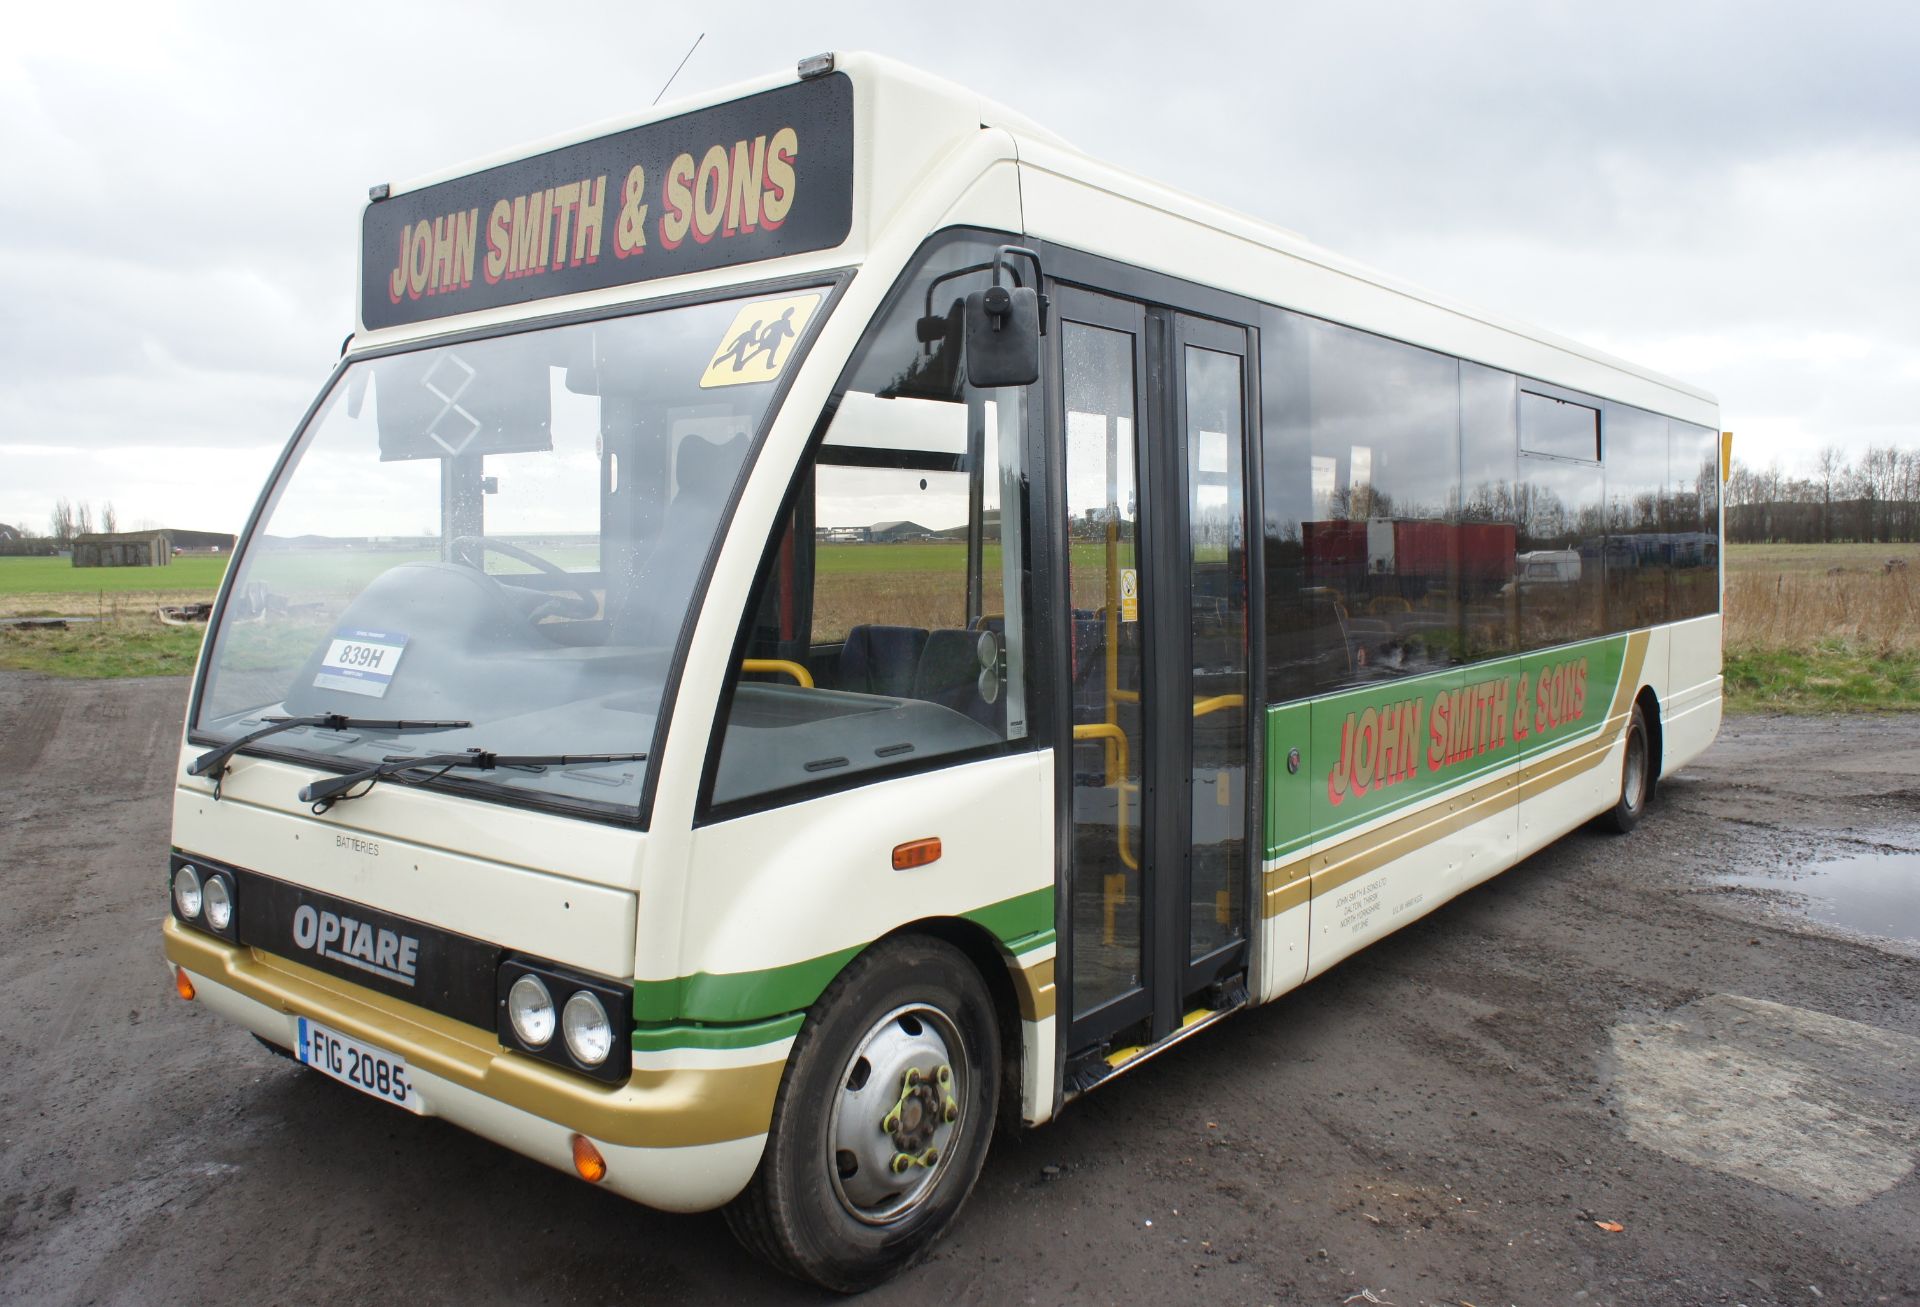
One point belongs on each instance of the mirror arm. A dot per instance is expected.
(1000, 257)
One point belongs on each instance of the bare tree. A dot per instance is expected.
(83, 518)
(109, 520)
(1830, 467)
(62, 522)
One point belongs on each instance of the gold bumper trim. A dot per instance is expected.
(654, 1109)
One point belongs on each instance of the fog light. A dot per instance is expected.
(186, 892)
(589, 1033)
(587, 1160)
(219, 902)
(183, 984)
(530, 1009)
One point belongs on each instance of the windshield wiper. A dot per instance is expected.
(214, 761)
(324, 794)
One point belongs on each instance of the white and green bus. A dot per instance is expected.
(820, 622)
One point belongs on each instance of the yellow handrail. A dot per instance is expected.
(1118, 766)
(1218, 703)
(779, 666)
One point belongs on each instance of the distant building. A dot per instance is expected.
(145, 548)
(892, 532)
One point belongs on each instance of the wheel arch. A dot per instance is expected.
(1649, 704)
(1005, 981)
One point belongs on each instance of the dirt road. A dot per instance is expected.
(1600, 1035)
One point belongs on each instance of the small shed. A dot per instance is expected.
(122, 549)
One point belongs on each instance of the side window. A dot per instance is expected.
(1693, 519)
(1489, 592)
(1366, 575)
(891, 624)
(1561, 563)
(1639, 547)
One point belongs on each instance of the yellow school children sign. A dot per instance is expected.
(760, 341)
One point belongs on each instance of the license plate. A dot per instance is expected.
(368, 1069)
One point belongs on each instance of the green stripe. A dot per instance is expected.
(1022, 923)
(656, 1039)
(1303, 805)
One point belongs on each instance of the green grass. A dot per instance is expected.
(1832, 676)
(49, 576)
(97, 650)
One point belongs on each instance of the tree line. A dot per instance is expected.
(1874, 499)
(69, 518)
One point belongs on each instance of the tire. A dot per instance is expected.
(1636, 776)
(827, 1203)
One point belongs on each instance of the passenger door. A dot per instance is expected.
(1152, 429)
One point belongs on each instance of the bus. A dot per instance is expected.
(820, 623)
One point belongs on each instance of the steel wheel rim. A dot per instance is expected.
(1636, 778)
(873, 1092)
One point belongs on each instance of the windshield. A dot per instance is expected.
(507, 532)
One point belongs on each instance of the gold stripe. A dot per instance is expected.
(654, 1109)
(1293, 883)
(1033, 989)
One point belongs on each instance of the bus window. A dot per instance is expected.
(1364, 509)
(1637, 550)
(1693, 518)
(889, 627)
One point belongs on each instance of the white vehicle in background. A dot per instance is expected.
(1549, 567)
(555, 769)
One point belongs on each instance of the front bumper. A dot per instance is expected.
(681, 1139)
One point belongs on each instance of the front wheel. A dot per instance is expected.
(882, 1122)
(1636, 776)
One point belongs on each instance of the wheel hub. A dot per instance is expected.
(926, 1103)
(897, 1115)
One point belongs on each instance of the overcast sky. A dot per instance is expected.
(1725, 192)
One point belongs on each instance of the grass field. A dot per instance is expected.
(57, 576)
(1822, 628)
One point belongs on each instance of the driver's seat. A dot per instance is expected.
(653, 604)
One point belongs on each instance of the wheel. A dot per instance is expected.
(882, 1122)
(1636, 776)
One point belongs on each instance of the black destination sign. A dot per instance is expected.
(751, 179)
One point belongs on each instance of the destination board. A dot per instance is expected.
(752, 179)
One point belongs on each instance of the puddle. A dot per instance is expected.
(1874, 894)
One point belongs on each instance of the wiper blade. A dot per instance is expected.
(336, 789)
(214, 761)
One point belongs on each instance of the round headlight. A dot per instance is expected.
(530, 1009)
(186, 892)
(219, 902)
(589, 1033)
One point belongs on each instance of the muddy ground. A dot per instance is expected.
(1598, 1035)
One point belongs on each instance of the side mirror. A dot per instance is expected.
(1003, 336)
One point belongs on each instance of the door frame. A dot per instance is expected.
(1171, 313)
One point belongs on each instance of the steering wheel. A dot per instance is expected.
(576, 601)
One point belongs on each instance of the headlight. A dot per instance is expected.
(589, 1033)
(530, 1009)
(186, 892)
(219, 901)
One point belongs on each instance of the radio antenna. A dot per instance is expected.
(682, 64)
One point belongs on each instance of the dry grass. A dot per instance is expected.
(131, 645)
(1801, 596)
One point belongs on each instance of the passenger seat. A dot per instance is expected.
(949, 675)
(881, 659)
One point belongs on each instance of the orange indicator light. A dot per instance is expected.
(916, 853)
(183, 983)
(587, 1160)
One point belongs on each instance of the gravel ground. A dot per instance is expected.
(1600, 1035)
